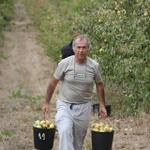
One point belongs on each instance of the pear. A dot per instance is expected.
(101, 127)
(38, 126)
(43, 124)
(52, 125)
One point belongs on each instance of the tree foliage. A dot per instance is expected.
(120, 34)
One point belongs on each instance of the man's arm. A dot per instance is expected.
(101, 97)
(50, 90)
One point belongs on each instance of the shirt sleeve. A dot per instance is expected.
(60, 70)
(98, 76)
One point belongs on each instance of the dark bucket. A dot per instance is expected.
(96, 109)
(102, 140)
(43, 138)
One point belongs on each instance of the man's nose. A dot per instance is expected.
(81, 49)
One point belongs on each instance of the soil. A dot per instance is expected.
(24, 74)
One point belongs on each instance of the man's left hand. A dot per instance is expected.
(103, 112)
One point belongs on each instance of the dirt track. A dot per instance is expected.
(24, 70)
(24, 73)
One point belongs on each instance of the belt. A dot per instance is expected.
(72, 104)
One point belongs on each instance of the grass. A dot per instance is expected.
(32, 99)
(18, 93)
(6, 15)
(7, 133)
(3, 56)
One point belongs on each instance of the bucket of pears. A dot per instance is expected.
(43, 134)
(102, 136)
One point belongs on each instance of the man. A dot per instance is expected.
(77, 74)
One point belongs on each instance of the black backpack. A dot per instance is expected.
(67, 50)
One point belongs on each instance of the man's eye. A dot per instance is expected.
(81, 47)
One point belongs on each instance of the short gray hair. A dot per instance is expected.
(80, 38)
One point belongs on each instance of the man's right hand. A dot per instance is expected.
(51, 87)
(45, 107)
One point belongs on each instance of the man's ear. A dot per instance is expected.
(74, 50)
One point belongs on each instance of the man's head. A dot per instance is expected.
(81, 45)
(81, 38)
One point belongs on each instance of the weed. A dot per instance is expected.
(17, 93)
(2, 56)
(6, 13)
(8, 133)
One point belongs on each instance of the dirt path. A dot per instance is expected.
(24, 73)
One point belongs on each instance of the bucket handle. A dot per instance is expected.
(45, 115)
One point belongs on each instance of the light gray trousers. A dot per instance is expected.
(72, 122)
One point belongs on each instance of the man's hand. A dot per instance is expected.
(45, 108)
(102, 111)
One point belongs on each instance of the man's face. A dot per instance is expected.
(81, 50)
